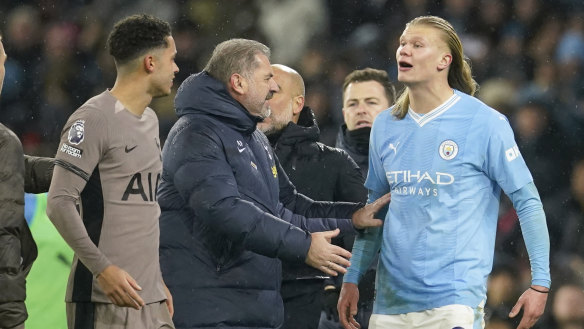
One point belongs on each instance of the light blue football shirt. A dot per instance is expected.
(445, 171)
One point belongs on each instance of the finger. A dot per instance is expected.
(327, 270)
(337, 268)
(382, 201)
(344, 317)
(131, 291)
(133, 282)
(338, 260)
(515, 310)
(132, 294)
(340, 252)
(130, 302)
(373, 222)
(331, 234)
(354, 323)
(115, 299)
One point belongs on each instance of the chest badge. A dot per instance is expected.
(274, 172)
(448, 149)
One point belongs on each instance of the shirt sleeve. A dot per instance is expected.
(367, 245)
(83, 142)
(535, 232)
(504, 163)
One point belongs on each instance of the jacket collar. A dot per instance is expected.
(305, 130)
(201, 93)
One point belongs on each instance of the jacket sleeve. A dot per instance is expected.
(345, 225)
(17, 248)
(204, 178)
(303, 205)
(350, 181)
(38, 172)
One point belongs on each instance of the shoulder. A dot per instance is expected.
(192, 132)
(337, 156)
(150, 114)
(9, 140)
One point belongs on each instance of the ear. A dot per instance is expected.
(238, 83)
(149, 63)
(298, 104)
(445, 62)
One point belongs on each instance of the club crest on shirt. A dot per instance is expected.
(448, 149)
(77, 132)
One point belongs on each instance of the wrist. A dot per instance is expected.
(540, 289)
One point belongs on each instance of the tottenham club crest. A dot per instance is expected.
(77, 132)
(448, 150)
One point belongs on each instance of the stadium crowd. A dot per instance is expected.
(527, 56)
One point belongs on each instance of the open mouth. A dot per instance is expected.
(362, 123)
(404, 64)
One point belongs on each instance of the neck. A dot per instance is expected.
(424, 99)
(132, 92)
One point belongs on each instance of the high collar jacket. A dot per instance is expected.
(223, 225)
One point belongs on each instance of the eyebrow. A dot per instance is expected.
(366, 98)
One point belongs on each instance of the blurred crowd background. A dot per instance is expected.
(527, 56)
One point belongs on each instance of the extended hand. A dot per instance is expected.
(325, 256)
(364, 217)
(533, 304)
(347, 305)
(120, 287)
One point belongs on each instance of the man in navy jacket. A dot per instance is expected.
(229, 213)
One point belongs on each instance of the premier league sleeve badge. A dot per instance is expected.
(77, 132)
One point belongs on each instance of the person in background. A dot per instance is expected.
(229, 213)
(109, 163)
(318, 171)
(366, 93)
(445, 156)
(20, 173)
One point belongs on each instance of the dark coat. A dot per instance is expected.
(222, 197)
(319, 172)
(356, 143)
(19, 174)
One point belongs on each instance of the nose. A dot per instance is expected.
(403, 50)
(361, 108)
(175, 68)
(273, 86)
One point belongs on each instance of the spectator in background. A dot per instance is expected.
(539, 136)
(20, 174)
(318, 171)
(229, 213)
(109, 165)
(366, 93)
(567, 306)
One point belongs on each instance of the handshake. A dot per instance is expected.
(333, 259)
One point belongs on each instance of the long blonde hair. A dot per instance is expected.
(459, 73)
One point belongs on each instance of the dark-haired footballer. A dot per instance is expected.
(108, 165)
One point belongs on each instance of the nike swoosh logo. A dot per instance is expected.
(241, 150)
(130, 149)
